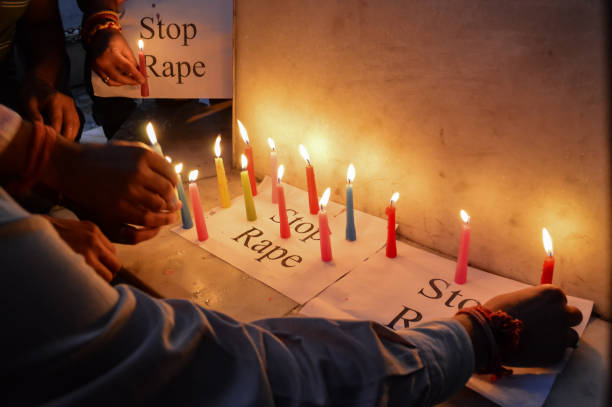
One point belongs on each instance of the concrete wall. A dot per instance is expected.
(496, 107)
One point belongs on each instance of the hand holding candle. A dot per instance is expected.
(153, 139)
(249, 205)
(310, 180)
(285, 232)
(390, 211)
(248, 152)
(144, 88)
(464, 248)
(351, 234)
(273, 169)
(549, 262)
(324, 231)
(221, 178)
(185, 215)
(197, 206)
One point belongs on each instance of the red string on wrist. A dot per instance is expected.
(503, 334)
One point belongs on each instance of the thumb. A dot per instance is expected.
(33, 110)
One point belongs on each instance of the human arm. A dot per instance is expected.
(41, 39)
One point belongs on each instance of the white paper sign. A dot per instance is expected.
(187, 47)
(292, 266)
(418, 286)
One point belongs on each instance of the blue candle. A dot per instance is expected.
(350, 216)
(185, 215)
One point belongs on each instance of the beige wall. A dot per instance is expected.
(497, 107)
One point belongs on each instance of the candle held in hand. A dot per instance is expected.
(273, 169)
(351, 234)
(185, 215)
(310, 180)
(221, 178)
(464, 248)
(153, 139)
(197, 206)
(285, 231)
(144, 88)
(249, 205)
(549, 262)
(324, 231)
(248, 152)
(390, 211)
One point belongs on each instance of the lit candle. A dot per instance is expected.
(549, 261)
(248, 151)
(153, 139)
(390, 211)
(464, 248)
(185, 215)
(144, 88)
(310, 180)
(324, 231)
(221, 178)
(175, 196)
(249, 205)
(285, 232)
(351, 234)
(273, 169)
(197, 206)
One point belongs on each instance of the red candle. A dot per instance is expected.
(324, 231)
(285, 232)
(549, 261)
(464, 247)
(248, 152)
(390, 211)
(273, 169)
(310, 180)
(144, 88)
(197, 206)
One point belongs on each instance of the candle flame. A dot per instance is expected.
(304, 154)
(394, 197)
(169, 159)
(350, 173)
(548, 245)
(218, 146)
(280, 172)
(140, 45)
(243, 132)
(193, 175)
(324, 198)
(271, 144)
(244, 161)
(178, 168)
(151, 134)
(464, 216)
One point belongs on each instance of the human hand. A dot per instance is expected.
(112, 58)
(86, 239)
(547, 323)
(45, 104)
(117, 184)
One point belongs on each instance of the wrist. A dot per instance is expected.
(61, 164)
(478, 339)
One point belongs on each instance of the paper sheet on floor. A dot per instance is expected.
(418, 286)
(292, 266)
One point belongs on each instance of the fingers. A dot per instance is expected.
(128, 67)
(574, 315)
(99, 268)
(151, 200)
(146, 218)
(132, 235)
(71, 123)
(162, 167)
(109, 259)
(56, 115)
(34, 110)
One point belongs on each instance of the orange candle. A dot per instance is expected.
(313, 203)
(549, 262)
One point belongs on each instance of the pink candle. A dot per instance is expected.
(310, 181)
(549, 262)
(464, 247)
(273, 169)
(248, 152)
(285, 232)
(144, 88)
(390, 211)
(324, 231)
(197, 206)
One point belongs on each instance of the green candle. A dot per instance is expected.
(246, 188)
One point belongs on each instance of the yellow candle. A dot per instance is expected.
(221, 178)
(246, 188)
